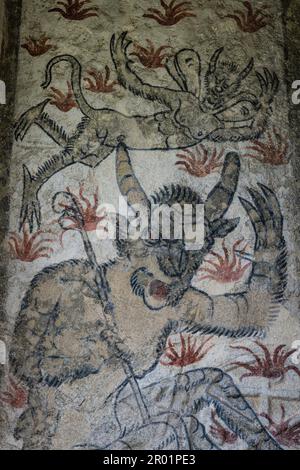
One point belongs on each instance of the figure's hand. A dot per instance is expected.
(153, 291)
(269, 85)
(265, 215)
(176, 291)
(157, 294)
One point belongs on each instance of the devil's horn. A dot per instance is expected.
(214, 59)
(128, 183)
(244, 73)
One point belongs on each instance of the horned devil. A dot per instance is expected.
(223, 112)
(139, 299)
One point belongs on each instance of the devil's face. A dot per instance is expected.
(221, 84)
(223, 79)
(171, 255)
(174, 257)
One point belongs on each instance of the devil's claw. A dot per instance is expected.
(30, 210)
(28, 118)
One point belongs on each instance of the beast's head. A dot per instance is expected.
(223, 79)
(174, 257)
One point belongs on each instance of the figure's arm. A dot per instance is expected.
(35, 354)
(251, 311)
(131, 81)
(245, 313)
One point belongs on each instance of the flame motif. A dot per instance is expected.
(73, 9)
(63, 101)
(217, 430)
(271, 366)
(149, 56)
(37, 47)
(100, 82)
(201, 162)
(15, 395)
(274, 151)
(226, 268)
(172, 14)
(284, 432)
(30, 247)
(190, 352)
(87, 210)
(250, 21)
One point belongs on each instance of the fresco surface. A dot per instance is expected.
(147, 343)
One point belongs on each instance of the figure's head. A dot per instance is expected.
(223, 78)
(174, 255)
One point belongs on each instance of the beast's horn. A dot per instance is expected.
(244, 73)
(214, 59)
(220, 197)
(127, 181)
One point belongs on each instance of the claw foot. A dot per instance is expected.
(30, 211)
(28, 118)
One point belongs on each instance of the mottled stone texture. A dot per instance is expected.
(149, 345)
(9, 37)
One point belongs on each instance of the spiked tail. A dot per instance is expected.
(85, 108)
